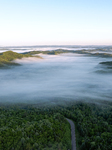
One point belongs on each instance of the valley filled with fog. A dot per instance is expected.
(56, 78)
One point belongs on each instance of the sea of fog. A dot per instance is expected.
(55, 79)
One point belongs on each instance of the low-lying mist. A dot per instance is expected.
(55, 79)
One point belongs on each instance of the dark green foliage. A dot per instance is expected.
(94, 124)
(46, 128)
(106, 65)
(32, 129)
(109, 63)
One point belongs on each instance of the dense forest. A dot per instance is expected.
(45, 127)
(29, 128)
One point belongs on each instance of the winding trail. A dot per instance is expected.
(72, 133)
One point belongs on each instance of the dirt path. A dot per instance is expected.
(72, 133)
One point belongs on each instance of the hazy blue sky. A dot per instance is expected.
(37, 22)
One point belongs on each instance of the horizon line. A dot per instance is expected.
(56, 45)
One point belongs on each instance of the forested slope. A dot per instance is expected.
(43, 127)
(32, 129)
(7, 57)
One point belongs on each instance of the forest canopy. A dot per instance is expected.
(45, 127)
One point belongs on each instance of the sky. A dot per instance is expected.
(55, 22)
